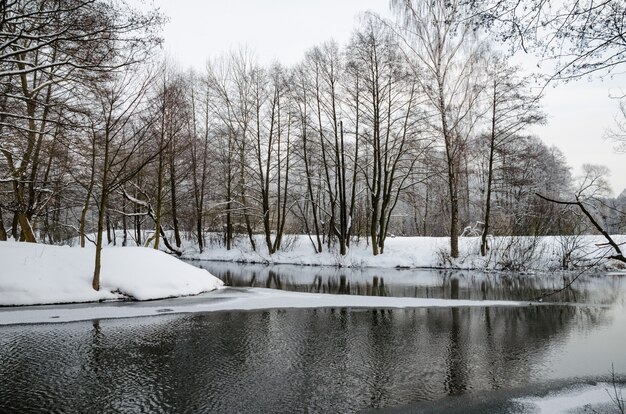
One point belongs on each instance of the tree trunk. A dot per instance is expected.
(3, 232)
(229, 219)
(14, 226)
(108, 223)
(96, 273)
(483, 241)
(157, 233)
(138, 227)
(27, 233)
(280, 230)
(101, 211)
(309, 185)
(244, 201)
(124, 224)
(451, 158)
(229, 197)
(173, 194)
(83, 214)
(454, 213)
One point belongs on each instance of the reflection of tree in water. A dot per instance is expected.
(381, 357)
(470, 285)
(456, 359)
(342, 286)
(500, 286)
(488, 348)
(273, 280)
(299, 360)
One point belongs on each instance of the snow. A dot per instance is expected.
(44, 274)
(506, 253)
(590, 398)
(41, 274)
(227, 300)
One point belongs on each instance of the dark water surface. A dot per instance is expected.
(311, 360)
(598, 288)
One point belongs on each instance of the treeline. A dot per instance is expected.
(416, 129)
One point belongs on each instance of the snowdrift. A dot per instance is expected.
(43, 274)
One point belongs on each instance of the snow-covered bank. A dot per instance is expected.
(596, 398)
(224, 300)
(42, 274)
(506, 253)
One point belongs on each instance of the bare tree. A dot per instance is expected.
(513, 107)
(46, 47)
(230, 79)
(390, 122)
(440, 41)
(301, 92)
(122, 123)
(199, 131)
(578, 37)
(327, 71)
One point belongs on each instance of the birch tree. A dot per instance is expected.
(441, 42)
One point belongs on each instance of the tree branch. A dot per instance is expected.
(619, 255)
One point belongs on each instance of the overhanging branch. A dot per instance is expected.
(619, 255)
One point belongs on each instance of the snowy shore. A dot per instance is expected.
(44, 274)
(506, 253)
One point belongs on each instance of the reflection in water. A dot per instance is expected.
(606, 289)
(287, 361)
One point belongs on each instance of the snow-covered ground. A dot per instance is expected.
(224, 300)
(512, 253)
(44, 274)
(40, 274)
(597, 398)
(507, 253)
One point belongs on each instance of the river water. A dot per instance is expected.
(327, 360)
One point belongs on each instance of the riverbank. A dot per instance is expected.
(44, 274)
(546, 253)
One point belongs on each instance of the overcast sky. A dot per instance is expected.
(282, 30)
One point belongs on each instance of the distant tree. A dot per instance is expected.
(231, 81)
(529, 166)
(617, 133)
(513, 107)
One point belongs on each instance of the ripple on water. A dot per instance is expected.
(284, 361)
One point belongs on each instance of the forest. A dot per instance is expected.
(418, 127)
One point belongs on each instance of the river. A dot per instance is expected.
(328, 360)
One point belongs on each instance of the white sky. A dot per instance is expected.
(283, 30)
